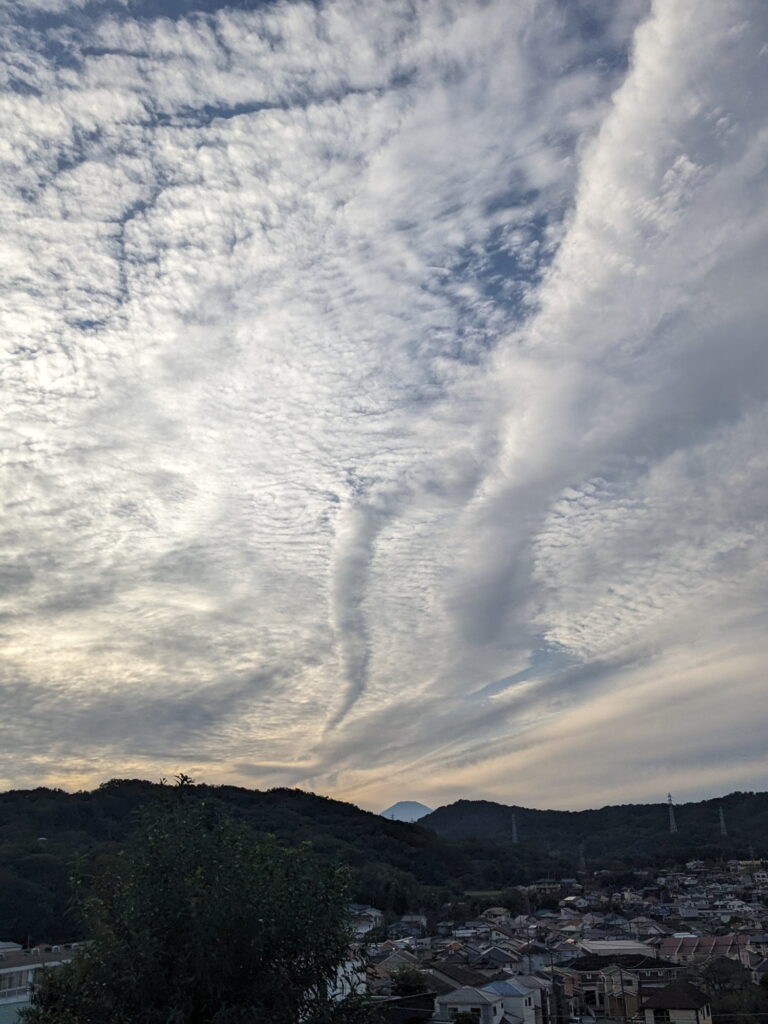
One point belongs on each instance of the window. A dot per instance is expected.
(661, 1017)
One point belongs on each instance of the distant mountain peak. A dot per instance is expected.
(406, 810)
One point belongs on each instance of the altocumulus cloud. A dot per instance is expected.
(385, 395)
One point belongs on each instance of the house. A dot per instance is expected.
(523, 924)
(541, 993)
(617, 947)
(503, 933)
(390, 965)
(621, 992)
(600, 981)
(495, 958)
(535, 956)
(497, 915)
(471, 930)
(414, 1009)
(699, 949)
(644, 928)
(416, 922)
(365, 918)
(456, 975)
(575, 902)
(484, 1007)
(517, 999)
(546, 886)
(678, 1003)
(20, 968)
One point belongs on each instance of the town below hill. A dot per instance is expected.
(455, 856)
(687, 945)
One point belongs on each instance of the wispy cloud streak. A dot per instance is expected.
(384, 391)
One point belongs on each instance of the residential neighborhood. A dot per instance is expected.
(667, 949)
(670, 948)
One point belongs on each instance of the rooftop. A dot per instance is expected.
(680, 995)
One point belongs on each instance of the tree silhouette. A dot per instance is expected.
(203, 921)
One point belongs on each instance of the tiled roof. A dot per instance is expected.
(507, 988)
(14, 959)
(703, 945)
(594, 963)
(680, 995)
(468, 994)
(461, 975)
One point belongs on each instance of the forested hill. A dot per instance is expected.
(631, 833)
(45, 834)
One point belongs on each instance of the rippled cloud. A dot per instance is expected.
(384, 396)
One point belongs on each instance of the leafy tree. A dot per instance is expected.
(515, 901)
(203, 921)
(723, 975)
(747, 1005)
(408, 981)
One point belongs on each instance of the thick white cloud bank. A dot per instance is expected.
(385, 395)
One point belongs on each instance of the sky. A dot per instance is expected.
(385, 396)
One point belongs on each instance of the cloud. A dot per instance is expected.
(384, 390)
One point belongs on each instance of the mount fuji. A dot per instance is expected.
(406, 810)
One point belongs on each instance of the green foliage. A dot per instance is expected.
(408, 981)
(723, 975)
(515, 901)
(200, 921)
(745, 1005)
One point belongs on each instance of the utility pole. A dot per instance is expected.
(623, 995)
(555, 991)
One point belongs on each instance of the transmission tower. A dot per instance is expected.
(672, 822)
(582, 860)
(723, 829)
(514, 829)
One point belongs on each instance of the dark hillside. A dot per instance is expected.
(46, 833)
(636, 833)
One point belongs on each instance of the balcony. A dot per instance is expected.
(14, 995)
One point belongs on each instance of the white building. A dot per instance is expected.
(517, 998)
(21, 968)
(485, 1007)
